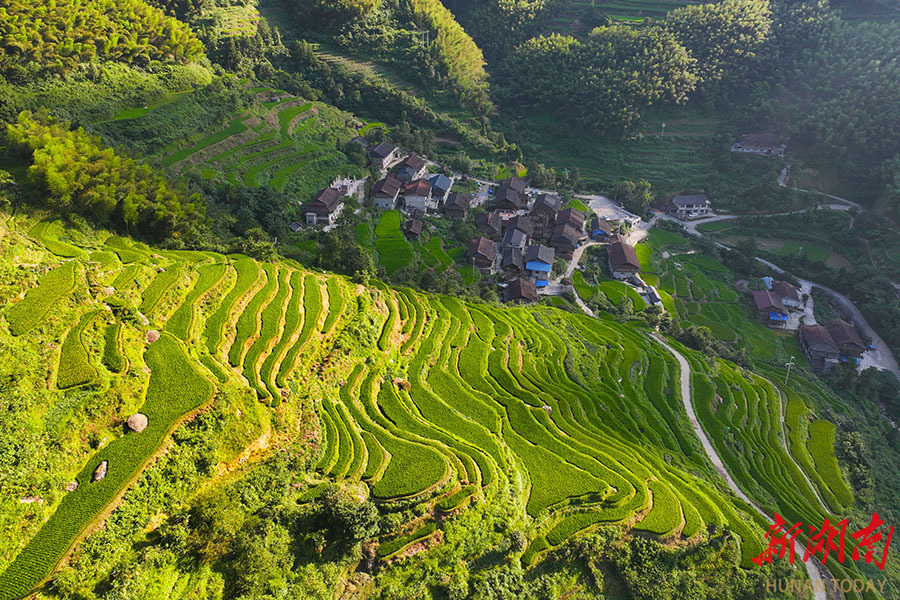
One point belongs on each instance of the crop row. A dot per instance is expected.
(181, 322)
(75, 366)
(161, 284)
(248, 272)
(51, 289)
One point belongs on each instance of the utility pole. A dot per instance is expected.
(789, 364)
(663, 130)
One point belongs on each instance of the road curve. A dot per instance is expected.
(687, 398)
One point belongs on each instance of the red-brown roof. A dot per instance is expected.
(419, 187)
(325, 201)
(622, 256)
(768, 301)
(520, 289)
(785, 290)
(844, 334)
(389, 186)
(482, 246)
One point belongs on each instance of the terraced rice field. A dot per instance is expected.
(394, 251)
(443, 401)
(283, 141)
(625, 11)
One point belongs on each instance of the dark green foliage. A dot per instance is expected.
(609, 79)
(119, 190)
(349, 521)
(57, 36)
(633, 196)
(724, 37)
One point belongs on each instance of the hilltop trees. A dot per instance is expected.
(724, 38)
(607, 80)
(75, 173)
(56, 36)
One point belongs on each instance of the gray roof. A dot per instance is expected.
(382, 150)
(540, 253)
(514, 238)
(512, 257)
(690, 199)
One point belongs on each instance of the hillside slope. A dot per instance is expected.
(569, 422)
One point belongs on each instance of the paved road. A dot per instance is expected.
(687, 398)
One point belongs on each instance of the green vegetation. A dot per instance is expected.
(50, 292)
(175, 389)
(161, 284)
(821, 448)
(75, 366)
(394, 252)
(113, 359)
(49, 36)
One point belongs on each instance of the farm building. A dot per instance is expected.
(417, 195)
(324, 208)
(600, 229)
(846, 339)
(819, 347)
(482, 254)
(520, 290)
(412, 168)
(759, 143)
(491, 224)
(440, 186)
(514, 239)
(623, 260)
(571, 217)
(543, 213)
(412, 229)
(521, 223)
(511, 195)
(385, 192)
(685, 206)
(383, 154)
(511, 260)
(539, 263)
(769, 308)
(457, 205)
(789, 294)
(565, 240)
(295, 226)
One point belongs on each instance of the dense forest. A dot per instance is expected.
(58, 36)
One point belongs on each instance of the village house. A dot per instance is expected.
(412, 168)
(491, 224)
(543, 214)
(819, 347)
(349, 187)
(521, 223)
(769, 308)
(846, 339)
(571, 217)
(324, 208)
(759, 143)
(789, 294)
(482, 254)
(539, 263)
(511, 260)
(684, 206)
(830, 344)
(520, 290)
(511, 195)
(565, 240)
(457, 205)
(513, 238)
(440, 186)
(623, 260)
(383, 154)
(599, 229)
(412, 229)
(295, 226)
(417, 195)
(385, 192)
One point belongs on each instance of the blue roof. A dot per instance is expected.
(535, 265)
(441, 182)
(773, 316)
(541, 283)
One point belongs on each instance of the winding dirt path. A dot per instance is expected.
(687, 398)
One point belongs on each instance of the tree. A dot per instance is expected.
(724, 37)
(633, 196)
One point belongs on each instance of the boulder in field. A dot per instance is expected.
(101, 471)
(137, 422)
